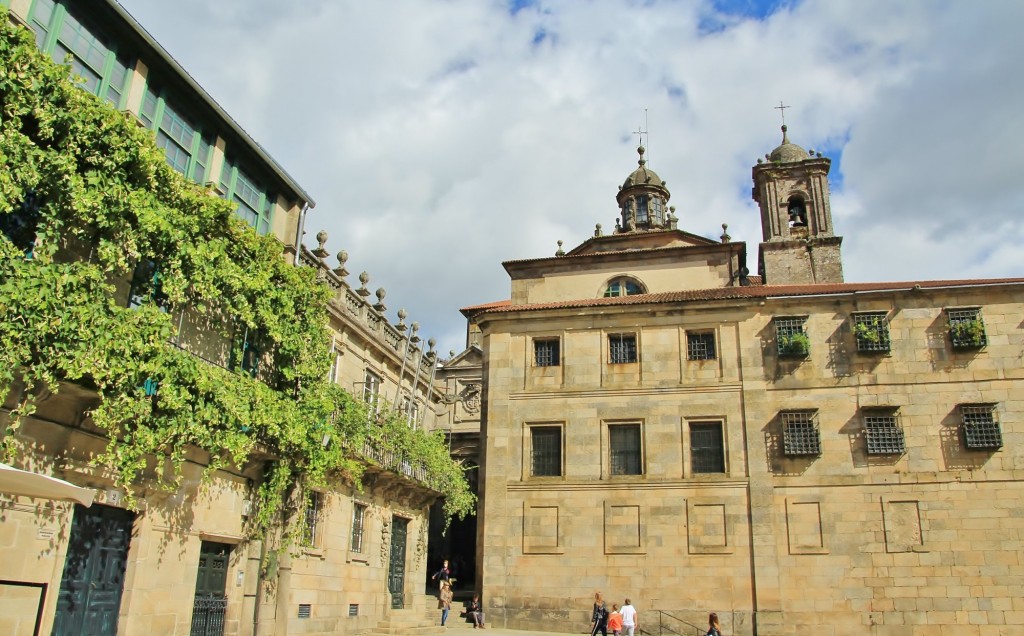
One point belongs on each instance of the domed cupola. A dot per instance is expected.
(643, 200)
(787, 152)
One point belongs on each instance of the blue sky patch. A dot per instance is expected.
(515, 6)
(756, 9)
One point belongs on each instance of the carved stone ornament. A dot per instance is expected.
(471, 397)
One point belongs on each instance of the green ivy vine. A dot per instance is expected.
(105, 199)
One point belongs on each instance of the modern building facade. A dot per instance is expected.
(181, 563)
(797, 453)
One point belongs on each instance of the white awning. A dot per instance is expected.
(26, 484)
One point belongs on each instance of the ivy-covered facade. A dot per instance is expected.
(167, 342)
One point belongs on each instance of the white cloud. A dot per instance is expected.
(440, 138)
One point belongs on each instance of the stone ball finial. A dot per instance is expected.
(451, 353)
(597, 229)
(340, 270)
(381, 293)
(321, 239)
(559, 251)
(431, 342)
(363, 279)
(415, 329)
(402, 314)
(725, 233)
(401, 320)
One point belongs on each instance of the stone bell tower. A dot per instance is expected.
(791, 189)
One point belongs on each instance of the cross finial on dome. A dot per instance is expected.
(782, 109)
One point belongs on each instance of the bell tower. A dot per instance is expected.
(798, 245)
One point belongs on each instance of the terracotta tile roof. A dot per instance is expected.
(497, 303)
(639, 250)
(752, 291)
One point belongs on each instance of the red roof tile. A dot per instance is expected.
(752, 291)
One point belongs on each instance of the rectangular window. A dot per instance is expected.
(700, 345)
(800, 434)
(371, 389)
(622, 348)
(981, 429)
(791, 337)
(546, 352)
(707, 449)
(625, 446)
(358, 519)
(332, 375)
(145, 285)
(641, 210)
(966, 329)
(871, 331)
(252, 349)
(883, 434)
(311, 520)
(546, 451)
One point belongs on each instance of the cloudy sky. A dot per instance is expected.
(442, 137)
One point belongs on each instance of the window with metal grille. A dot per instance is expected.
(546, 451)
(883, 433)
(353, 609)
(790, 337)
(305, 610)
(871, 331)
(622, 348)
(311, 527)
(546, 352)
(981, 429)
(626, 449)
(966, 329)
(800, 434)
(700, 345)
(358, 518)
(707, 448)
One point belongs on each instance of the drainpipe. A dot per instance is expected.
(299, 230)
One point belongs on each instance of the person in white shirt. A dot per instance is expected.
(629, 618)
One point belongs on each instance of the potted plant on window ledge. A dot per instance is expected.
(794, 344)
(968, 334)
(870, 336)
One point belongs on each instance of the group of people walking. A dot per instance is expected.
(620, 621)
(623, 621)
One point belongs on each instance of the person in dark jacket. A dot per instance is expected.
(443, 575)
(599, 618)
(476, 612)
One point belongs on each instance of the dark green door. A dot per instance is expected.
(396, 569)
(211, 604)
(90, 588)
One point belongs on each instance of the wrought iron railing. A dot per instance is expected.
(208, 615)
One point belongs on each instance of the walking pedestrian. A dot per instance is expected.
(714, 629)
(444, 603)
(630, 621)
(615, 621)
(599, 617)
(443, 575)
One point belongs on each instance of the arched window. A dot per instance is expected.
(797, 211)
(624, 286)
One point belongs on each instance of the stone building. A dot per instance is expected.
(180, 564)
(797, 453)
